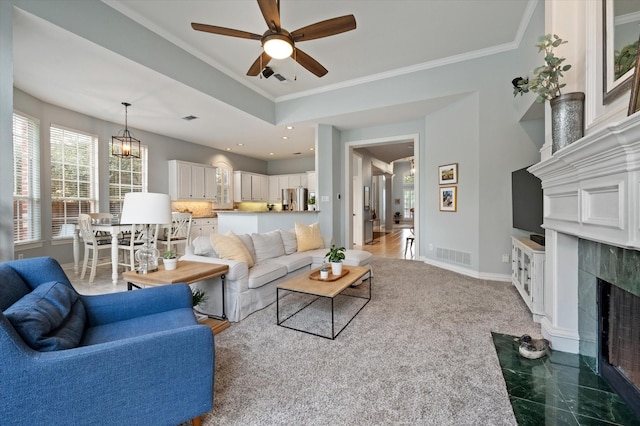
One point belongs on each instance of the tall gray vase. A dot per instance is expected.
(567, 119)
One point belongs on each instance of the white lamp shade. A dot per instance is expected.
(146, 208)
(278, 47)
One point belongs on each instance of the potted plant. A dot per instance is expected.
(567, 110)
(312, 202)
(197, 297)
(335, 255)
(170, 260)
(396, 217)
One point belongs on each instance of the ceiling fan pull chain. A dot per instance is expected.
(295, 64)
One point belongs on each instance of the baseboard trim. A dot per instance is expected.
(562, 339)
(468, 272)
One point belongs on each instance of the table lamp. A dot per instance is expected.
(146, 208)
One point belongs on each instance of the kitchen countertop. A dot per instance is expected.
(267, 211)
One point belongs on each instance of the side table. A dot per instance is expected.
(186, 272)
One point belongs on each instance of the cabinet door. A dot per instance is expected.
(223, 188)
(245, 187)
(526, 273)
(184, 181)
(294, 181)
(210, 186)
(259, 188)
(275, 195)
(197, 182)
(311, 181)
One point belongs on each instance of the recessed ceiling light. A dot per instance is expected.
(311, 149)
(228, 149)
(240, 144)
(285, 137)
(271, 153)
(289, 127)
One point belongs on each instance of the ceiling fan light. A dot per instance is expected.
(277, 46)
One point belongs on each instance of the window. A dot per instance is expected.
(26, 179)
(73, 178)
(409, 201)
(126, 175)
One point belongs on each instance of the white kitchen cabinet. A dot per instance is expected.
(203, 227)
(191, 181)
(527, 273)
(223, 197)
(276, 184)
(250, 187)
(311, 181)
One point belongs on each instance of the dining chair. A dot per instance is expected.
(93, 245)
(131, 241)
(179, 232)
(101, 218)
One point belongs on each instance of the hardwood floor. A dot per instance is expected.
(391, 244)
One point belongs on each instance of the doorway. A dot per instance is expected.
(351, 192)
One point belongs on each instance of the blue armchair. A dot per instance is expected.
(141, 359)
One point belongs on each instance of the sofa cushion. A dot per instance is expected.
(248, 243)
(13, 287)
(308, 236)
(293, 262)
(202, 246)
(50, 318)
(229, 246)
(267, 245)
(289, 240)
(139, 326)
(264, 273)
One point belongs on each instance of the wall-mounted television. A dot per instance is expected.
(526, 199)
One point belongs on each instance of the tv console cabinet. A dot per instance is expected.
(527, 273)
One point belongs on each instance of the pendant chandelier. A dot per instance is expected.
(124, 145)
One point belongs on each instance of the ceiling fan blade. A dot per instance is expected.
(325, 28)
(271, 13)
(309, 63)
(225, 31)
(259, 64)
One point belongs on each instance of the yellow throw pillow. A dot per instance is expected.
(309, 236)
(229, 246)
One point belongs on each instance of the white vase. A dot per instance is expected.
(170, 264)
(336, 268)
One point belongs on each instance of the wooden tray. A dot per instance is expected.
(316, 275)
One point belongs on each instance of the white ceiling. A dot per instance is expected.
(392, 37)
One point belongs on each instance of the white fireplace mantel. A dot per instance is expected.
(592, 187)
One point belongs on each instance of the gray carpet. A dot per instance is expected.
(419, 353)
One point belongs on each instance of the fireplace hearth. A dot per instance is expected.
(619, 342)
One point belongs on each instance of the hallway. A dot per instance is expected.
(391, 244)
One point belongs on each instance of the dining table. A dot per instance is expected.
(114, 229)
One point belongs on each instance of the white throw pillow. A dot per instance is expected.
(267, 245)
(202, 246)
(289, 240)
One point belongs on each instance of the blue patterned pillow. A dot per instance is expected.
(50, 318)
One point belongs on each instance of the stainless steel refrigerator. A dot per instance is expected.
(294, 199)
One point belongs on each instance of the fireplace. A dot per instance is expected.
(619, 341)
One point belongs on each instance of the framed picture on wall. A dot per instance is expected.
(367, 198)
(448, 174)
(448, 198)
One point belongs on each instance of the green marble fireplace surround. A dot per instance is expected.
(619, 267)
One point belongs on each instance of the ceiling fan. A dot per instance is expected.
(279, 43)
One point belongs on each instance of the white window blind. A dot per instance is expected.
(126, 175)
(26, 179)
(73, 178)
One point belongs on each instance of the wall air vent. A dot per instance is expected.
(189, 117)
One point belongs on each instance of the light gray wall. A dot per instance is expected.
(6, 132)
(480, 131)
(290, 166)
(161, 149)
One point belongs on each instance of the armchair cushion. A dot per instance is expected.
(13, 286)
(50, 318)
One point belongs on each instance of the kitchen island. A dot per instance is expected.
(247, 222)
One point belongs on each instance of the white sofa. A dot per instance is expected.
(250, 289)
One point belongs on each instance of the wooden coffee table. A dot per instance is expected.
(325, 289)
(186, 272)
